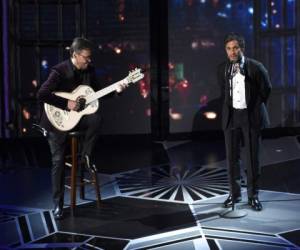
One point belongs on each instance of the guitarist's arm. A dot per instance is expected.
(97, 84)
(46, 95)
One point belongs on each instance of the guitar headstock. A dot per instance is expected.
(134, 75)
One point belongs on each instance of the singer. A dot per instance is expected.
(245, 88)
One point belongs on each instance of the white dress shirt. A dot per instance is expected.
(238, 90)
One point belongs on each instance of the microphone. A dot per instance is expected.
(230, 70)
(230, 76)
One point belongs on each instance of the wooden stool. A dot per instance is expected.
(75, 156)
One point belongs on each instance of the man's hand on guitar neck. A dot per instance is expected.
(121, 87)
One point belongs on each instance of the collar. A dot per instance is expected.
(72, 66)
(75, 70)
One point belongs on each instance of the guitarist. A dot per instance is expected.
(65, 77)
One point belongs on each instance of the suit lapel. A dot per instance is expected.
(247, 81)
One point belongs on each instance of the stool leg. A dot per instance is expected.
(82, 189)
(96, 185)
(73, 173)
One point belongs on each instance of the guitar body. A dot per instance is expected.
(65, 120)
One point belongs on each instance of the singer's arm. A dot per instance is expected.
(264, 83)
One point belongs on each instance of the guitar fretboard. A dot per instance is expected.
(103, 92)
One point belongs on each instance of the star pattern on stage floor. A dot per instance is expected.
(174, 183)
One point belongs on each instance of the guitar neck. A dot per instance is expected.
(103, 92)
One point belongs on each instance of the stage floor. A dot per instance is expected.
(165, 197)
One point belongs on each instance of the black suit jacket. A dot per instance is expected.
(65, 78)
(257, 91)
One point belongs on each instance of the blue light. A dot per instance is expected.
(44, 64)
(203, 1)
(228, 6)
(222, 14)
(250, 10)
(264, 24)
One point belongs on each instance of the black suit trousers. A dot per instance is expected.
(239, 133)
(57, 142)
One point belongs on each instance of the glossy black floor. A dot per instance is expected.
(154, 196)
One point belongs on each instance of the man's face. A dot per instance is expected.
(82, 59)
(233, 50)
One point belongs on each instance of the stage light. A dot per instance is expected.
(117, 50)
(144, 89)
(184, 84)
(207, 43)
(274, 12)
(34, 83)
(175, 115)
(171, 66)
(194, 45)
(26, 114)
(144, 94)
(148, 112)
(264, 24)
(210, 115)
(121, 18)
(250, 10)
(228, 6)
(24, 130)
(44, 64)
(221, 14)
(277, 26)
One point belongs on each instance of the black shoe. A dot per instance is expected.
(255, 204)
(58, 213)
(228, 201)
(89, 164)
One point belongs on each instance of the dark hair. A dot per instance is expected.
(235, 37)
(80, 43)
